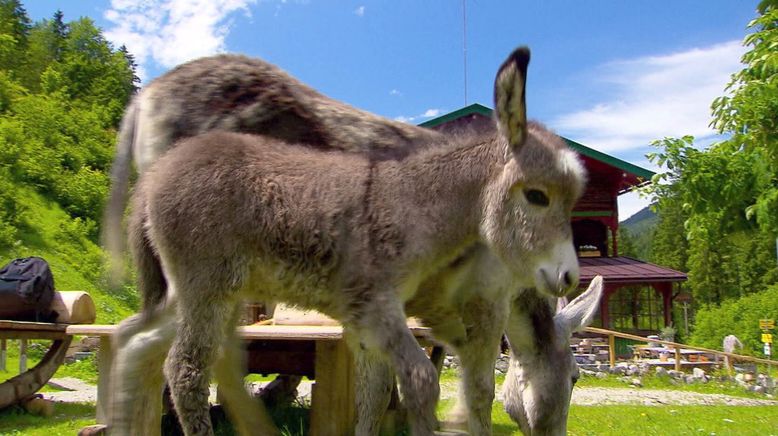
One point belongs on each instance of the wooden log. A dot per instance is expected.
(36, 405)
(26, 384)
(73, 307)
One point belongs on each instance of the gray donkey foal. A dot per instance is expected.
(493, 176)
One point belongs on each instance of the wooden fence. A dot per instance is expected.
(675, 347)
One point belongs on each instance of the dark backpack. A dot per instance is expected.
(26, 290)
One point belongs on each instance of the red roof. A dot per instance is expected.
(626, 270)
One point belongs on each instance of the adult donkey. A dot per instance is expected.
(542, 369)
(491, 175)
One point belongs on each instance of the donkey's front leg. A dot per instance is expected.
(383, 326)
(373, 390)
(485, 322)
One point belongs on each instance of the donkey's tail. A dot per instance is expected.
(152, 285)
(112, 234)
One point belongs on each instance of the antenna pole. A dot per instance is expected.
(464, 43)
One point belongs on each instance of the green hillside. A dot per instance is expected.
(63, 89)
(76, 262)
(636, 234)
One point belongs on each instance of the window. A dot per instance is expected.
(636, 308)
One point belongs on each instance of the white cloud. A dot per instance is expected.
(429, 113)
(395, 93)
(360, 11)
(652, 97)
(169, 32)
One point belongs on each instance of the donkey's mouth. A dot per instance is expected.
(556, 283)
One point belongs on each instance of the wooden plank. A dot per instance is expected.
(31, 330)
(291, 332)
(32, 326)
(333, 400)
(91, 329)
(252, 332)
(47, 335)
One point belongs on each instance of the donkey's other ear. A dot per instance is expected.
(580, 312)
(509, 99)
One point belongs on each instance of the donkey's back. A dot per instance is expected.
(280, 214)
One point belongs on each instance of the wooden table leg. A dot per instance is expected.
(22, 355)
(333, 401)
(104, 363)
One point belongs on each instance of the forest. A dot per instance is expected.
(63, 89)
(717, 205)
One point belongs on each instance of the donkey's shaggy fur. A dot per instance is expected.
(457, 300)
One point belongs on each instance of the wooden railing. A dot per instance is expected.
(675, 347)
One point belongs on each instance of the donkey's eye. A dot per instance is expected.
(575, 379)
(536, 197)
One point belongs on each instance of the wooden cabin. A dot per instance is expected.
(638, 295)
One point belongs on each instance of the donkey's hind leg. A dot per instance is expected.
(141, 343)
(202, 322)
(383, 326)
(247, 414)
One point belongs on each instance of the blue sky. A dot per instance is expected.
(611, 75)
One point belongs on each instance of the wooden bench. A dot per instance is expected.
(285, 349)
(29, 381)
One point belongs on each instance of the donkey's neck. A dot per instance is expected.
(442, 189)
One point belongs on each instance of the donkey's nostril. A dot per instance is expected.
(567, 279)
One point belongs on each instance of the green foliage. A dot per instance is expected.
(84, 369)
(736, 317)
(14, 30)
(718, 207)
(63, 89)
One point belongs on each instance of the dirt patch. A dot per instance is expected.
(80, 392)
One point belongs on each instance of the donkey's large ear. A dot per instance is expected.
(509, 99)
(580, 312)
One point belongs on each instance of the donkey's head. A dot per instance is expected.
(542, 370)
(529, 204)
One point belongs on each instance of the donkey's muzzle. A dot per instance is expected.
(558, 283)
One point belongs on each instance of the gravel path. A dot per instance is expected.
(79, 392)
(657, 397)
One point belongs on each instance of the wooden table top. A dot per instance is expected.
(256, 332)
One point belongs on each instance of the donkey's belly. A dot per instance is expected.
(277, 282)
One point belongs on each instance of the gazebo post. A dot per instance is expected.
(665, 288)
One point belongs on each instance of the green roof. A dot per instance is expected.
(476, 108)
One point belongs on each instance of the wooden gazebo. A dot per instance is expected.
(638, 295)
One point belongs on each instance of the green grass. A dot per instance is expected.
(653, 382)
(672, 420)
(85, 369)
(68, 419)
(616, 420)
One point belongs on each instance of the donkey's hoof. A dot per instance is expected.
(94, 430)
